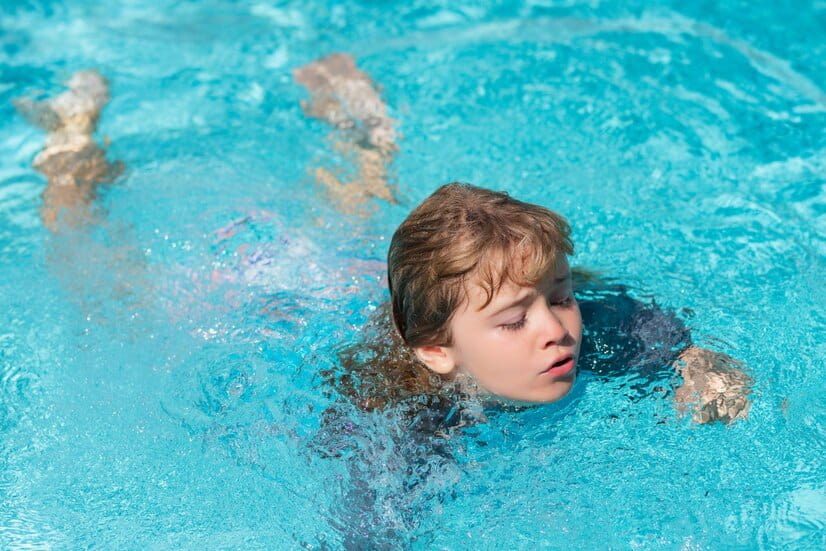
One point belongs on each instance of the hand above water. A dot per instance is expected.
(714, 387)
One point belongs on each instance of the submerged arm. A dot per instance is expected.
(622, 332)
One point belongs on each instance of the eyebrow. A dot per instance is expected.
(522, 300)
(513, 304)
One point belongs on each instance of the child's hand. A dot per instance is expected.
(714, 387)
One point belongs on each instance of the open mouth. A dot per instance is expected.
(560, 368)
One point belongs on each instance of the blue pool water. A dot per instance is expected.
(160, 378)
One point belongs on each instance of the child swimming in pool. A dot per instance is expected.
(484, 305)
(486, 316)
(482, 301)
(469, 271)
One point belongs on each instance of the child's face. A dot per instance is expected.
(524, 345)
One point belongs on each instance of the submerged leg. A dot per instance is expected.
(73, 163)
(346, 98)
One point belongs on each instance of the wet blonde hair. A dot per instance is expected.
(464, 233)
(461, 234)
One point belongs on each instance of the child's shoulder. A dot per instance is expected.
(624, 331)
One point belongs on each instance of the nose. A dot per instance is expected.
(553, 332)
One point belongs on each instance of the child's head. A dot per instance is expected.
(480, 285)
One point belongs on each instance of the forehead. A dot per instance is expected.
(477, 295)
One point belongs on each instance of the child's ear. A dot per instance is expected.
(437, 358)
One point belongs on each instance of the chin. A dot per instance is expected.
(549, 392)
(555, 392)
(562, 391)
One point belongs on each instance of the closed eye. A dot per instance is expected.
(515, 326)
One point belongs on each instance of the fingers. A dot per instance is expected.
(725, 407)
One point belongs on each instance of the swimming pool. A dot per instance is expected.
(160, 388)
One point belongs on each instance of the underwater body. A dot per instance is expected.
(161, 371)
